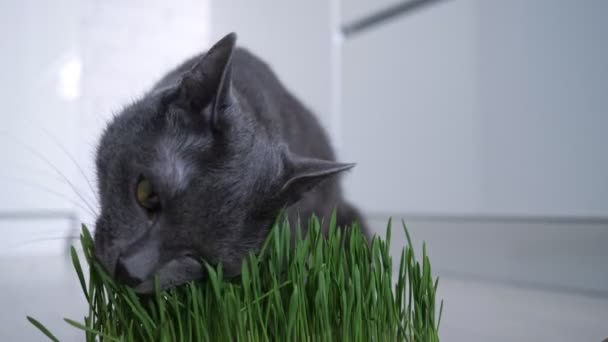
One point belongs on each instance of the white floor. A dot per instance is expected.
(475, 310)
(478, 311)
(44, 287)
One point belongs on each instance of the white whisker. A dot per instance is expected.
(69, 155)
(52, 192)
(53, 238)
(56, 169)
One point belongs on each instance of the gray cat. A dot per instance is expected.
(202, 164)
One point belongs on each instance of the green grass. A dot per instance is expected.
(339, 288)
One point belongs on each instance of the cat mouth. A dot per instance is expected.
(174, 273)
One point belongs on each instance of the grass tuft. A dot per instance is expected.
(338, 288)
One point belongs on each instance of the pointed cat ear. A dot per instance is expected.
(303, 174)
(210, 81)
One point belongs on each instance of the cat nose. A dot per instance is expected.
(125, 275)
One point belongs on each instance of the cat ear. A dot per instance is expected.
(303, 174)
(210, 81)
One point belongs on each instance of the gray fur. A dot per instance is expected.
(171, 165)
(226, 147)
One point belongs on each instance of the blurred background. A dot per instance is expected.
(481, 123)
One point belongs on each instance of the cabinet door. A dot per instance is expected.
(543, 109)
(353, 10)
(409, 115)
(470, 107)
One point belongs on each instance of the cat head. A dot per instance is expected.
(186, 174)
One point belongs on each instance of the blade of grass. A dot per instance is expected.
(42, 329)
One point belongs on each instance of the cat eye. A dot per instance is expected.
(145, 195)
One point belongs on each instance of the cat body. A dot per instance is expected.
(202, 164)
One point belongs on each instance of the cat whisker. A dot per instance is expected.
(69, 155)
(53, 238)
(55, 168)
(67, 239)
(88, 209)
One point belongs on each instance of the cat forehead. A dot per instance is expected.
(173, 164)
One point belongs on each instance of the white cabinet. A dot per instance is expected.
(354, 10)
(543, 109)
(409, 113)
(477, 107)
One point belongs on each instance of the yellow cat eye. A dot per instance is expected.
(145, 195)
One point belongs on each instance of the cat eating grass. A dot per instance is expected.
(200, 166)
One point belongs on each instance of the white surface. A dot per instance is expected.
(493, 312)
(45, 287)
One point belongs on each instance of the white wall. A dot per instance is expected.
(39, 76)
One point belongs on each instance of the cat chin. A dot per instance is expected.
(174, 273)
